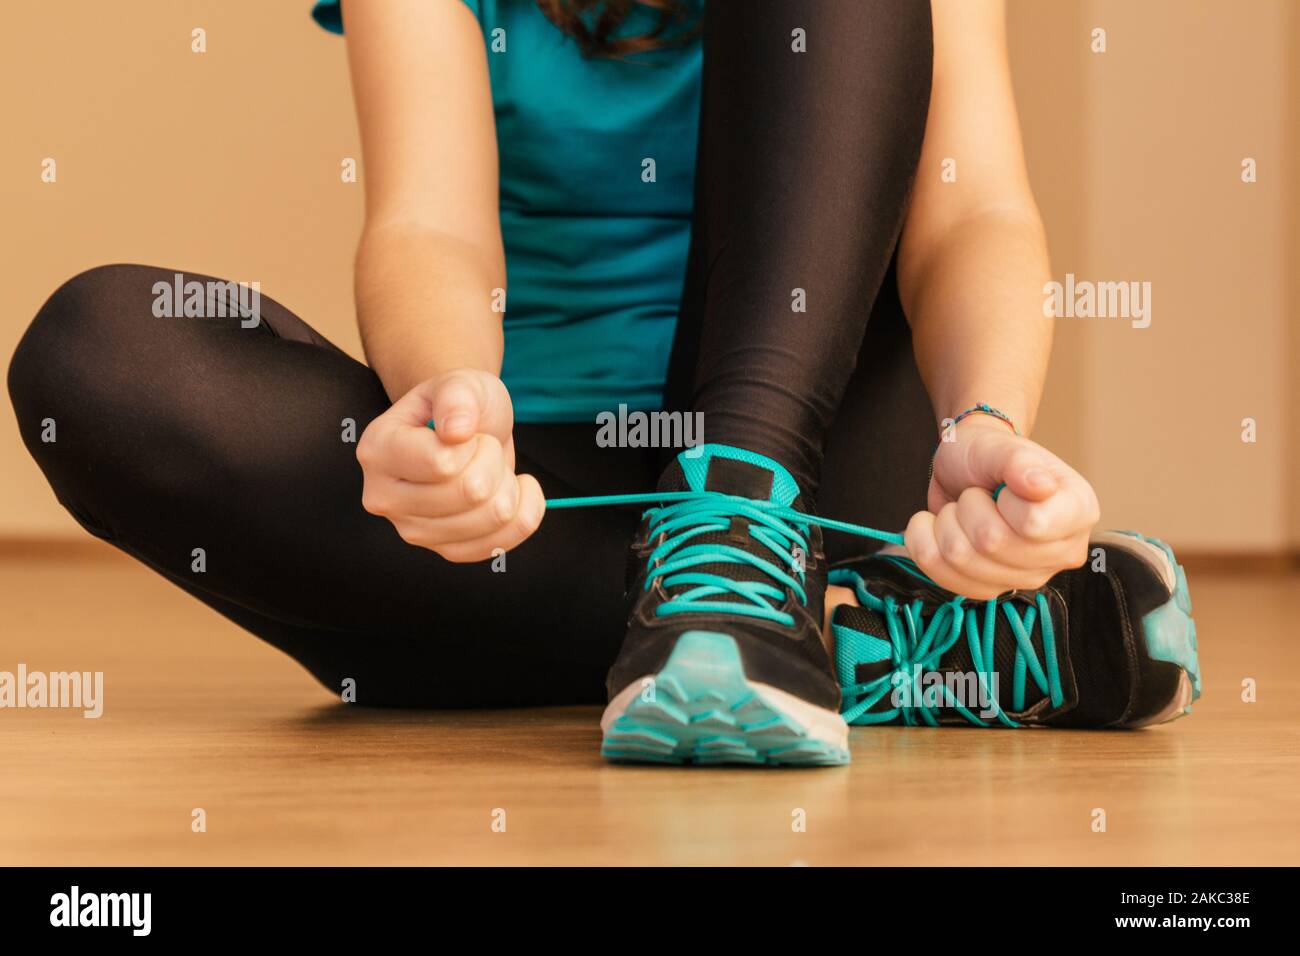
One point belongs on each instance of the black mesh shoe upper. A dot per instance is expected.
(1106, 677)
(789, 656)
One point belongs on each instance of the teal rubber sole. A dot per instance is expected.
(702, 709)
(1169, 630)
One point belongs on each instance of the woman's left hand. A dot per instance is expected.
(979, 548)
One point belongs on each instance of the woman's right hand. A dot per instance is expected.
(453, 490)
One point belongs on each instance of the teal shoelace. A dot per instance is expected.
(682, 516)
(916, 646)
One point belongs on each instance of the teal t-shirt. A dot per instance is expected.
(597, 161)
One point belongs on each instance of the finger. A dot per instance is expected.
(1026, 469)
(415, 453)
(532, 508)
(936, 497)
(457, 407)
(463, 524)
(962, 557)
(508, 449)
(491, 521)
(994, 539)
(377, 494)
(1028, 472)
(1064, 515)
(485, 473)
(923, 547)
(482, 477)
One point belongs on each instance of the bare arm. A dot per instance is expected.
(971, 268)
(973, 257)
(430, 255)
(429, 266)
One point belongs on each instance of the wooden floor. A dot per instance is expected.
(200, 715)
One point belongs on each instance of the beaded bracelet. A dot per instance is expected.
(984, 408)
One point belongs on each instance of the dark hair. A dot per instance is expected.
(593, 23)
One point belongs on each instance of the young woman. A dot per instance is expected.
(756, 276)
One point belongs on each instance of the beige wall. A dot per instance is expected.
(225, 162)
(1135, 154)
(1185, 92)
(228, 162)
(1292, 202)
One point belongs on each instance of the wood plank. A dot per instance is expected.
(199, 714)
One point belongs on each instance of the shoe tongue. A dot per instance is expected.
(732, 471)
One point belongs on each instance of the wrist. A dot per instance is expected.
(404, 365)
(975, 416)
(981, 423)
(1006, 404)
(972, 421)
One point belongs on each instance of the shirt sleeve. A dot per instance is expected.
(329, 13)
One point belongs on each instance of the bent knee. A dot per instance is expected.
(81, 333)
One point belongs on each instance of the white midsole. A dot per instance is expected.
(817, 722)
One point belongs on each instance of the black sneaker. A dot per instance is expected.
(723, 661)
(1109, 644)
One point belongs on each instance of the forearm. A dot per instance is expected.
(974, 301)
(425, 305)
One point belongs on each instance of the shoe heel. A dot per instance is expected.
(1170, 632)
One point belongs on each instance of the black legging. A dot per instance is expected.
(177, 434)
(804, 168)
